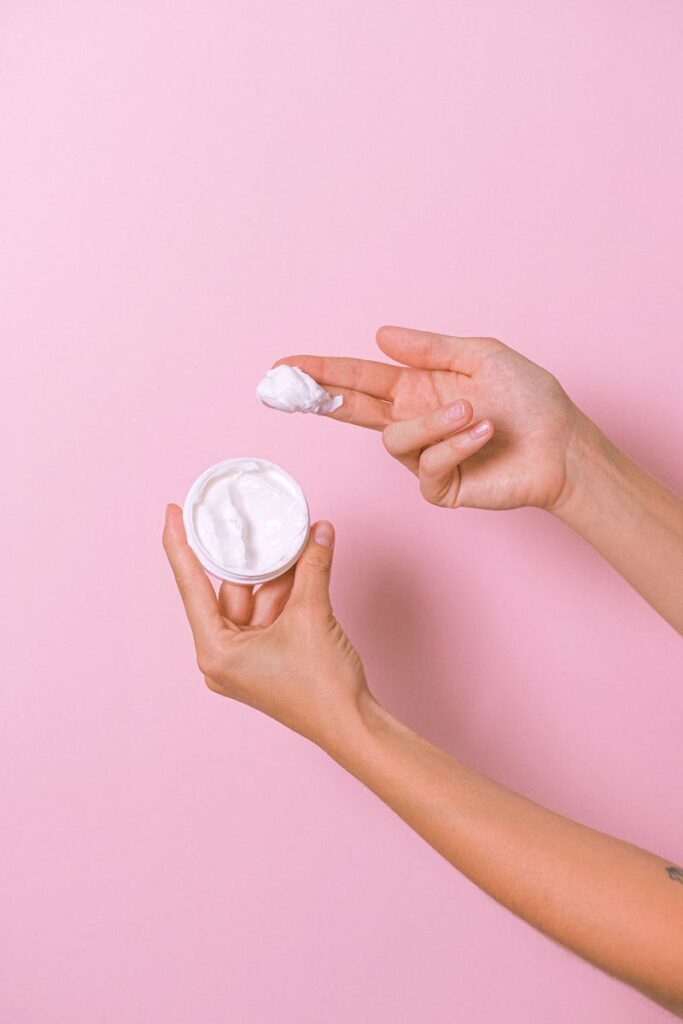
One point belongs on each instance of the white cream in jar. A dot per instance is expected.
(246, 520)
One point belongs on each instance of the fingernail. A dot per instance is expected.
(480, 430)
(323, 533)
(455, 411)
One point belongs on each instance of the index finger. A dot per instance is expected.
(367, 375)
(361, 409)
(198, 596)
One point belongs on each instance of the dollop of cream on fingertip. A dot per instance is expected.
(289, 389)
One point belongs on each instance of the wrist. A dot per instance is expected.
(373, 745)
(357, 730)
(590, 458)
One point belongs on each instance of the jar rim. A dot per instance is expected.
(209, 564)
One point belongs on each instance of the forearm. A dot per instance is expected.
(609, 902)
(629, 517)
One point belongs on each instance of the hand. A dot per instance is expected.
(480, 425)
(278, 648)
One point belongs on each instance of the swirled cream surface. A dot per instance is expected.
(249, 516)
(289, 389)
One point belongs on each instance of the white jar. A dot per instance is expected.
(246, 520)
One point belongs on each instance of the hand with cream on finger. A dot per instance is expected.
(481, 426)
(502, 447)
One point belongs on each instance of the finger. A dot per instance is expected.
(236, 602)
(405, 438)
(429, 351)
(372, 377)
(312, 573)
(361, 409)
(439, 465)
(270, 599)
(196, 590)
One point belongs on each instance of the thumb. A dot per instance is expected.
(312, 574)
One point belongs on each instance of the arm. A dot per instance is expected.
(628, 516)
(615, 905)
(281, 650)
(481, 426)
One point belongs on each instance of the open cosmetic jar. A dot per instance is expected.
(246, 520)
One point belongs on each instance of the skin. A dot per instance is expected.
(280, 649)
(481, 426)
(252, 645)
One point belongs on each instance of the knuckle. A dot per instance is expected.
(493, 345)
(389, 440)
(427, 492)
(556, 387)
(356, 376)
(317, 562)
(207, 663)
(296, 614)
(428, 463)
(303, 615)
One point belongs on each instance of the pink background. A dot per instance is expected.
(190, 190)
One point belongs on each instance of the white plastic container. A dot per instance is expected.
(246, 520)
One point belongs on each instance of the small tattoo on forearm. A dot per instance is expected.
(675, 874)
